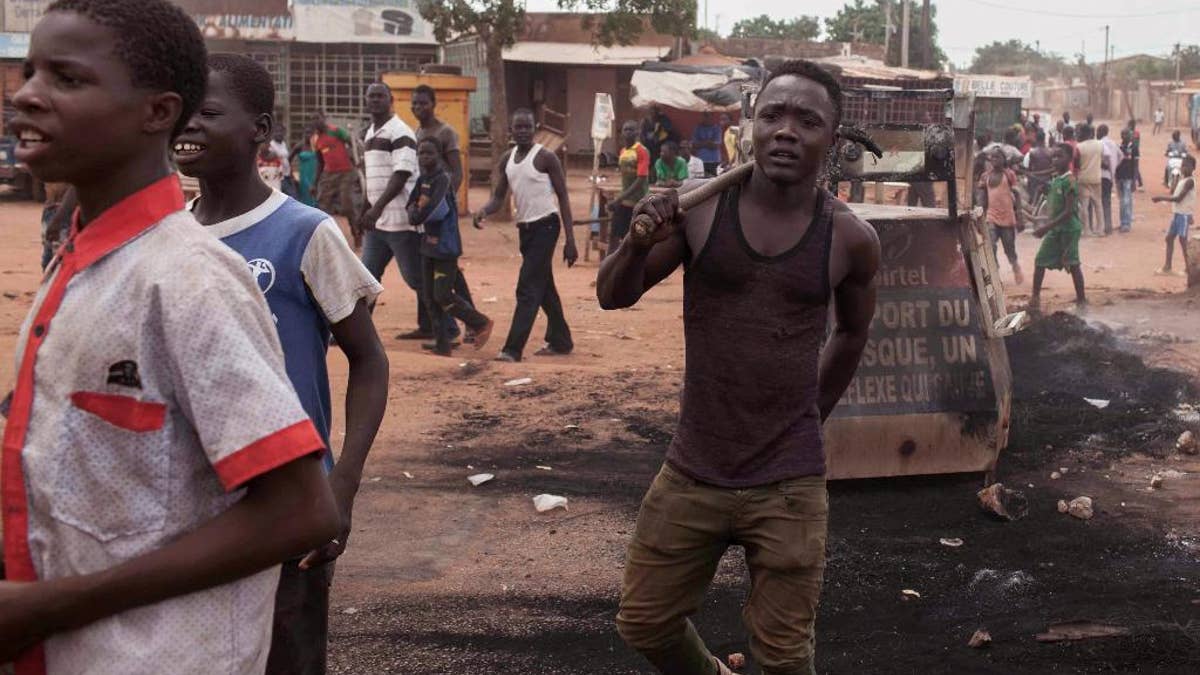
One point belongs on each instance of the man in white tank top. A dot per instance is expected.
(1183, 209)
(539, 189)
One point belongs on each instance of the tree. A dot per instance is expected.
(862, 21)
(498, 23)
(1016, 58)
(763, 26)
(620, 21)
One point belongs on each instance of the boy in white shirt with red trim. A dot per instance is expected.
(157, 465)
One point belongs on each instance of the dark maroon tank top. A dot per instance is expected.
(753, 327)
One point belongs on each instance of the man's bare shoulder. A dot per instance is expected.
(853, 231)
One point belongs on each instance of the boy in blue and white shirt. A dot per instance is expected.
(315, 288)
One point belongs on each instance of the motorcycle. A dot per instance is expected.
(1174, 168)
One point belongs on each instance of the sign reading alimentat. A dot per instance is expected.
(985, 86)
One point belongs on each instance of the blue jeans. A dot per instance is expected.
(1125, 189)
(380, 247)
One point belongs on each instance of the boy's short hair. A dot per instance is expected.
(426, 90)
(157, 41)
(248, 79)
(672, 146)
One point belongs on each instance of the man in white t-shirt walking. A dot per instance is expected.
(539, 188)
(1159, 118)
(390, 157)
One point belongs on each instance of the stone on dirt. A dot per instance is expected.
(1002, 502)
(1156, 482)
(1187, 443)
(736, 660)
(547, 502)
(1081, 508)
(980, 639)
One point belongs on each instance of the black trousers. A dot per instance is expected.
(442, 299)
(1106, 186)
(300, 629)
(622, 217)
(535, 288)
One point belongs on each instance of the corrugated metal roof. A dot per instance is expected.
(571, 53)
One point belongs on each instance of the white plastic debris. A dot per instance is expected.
(1098, 402)
(547, 502)
(407, 475)
(910, 594)
(350, 610)
(491, 299)
(952, 542)
(543, 467)
(518, 382)
(480, 478)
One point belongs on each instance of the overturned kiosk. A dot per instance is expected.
(932, 393)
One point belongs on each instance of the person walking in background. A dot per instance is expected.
(1091, 160)
(696, 167)
(432, 206)
(424, 109)
(307, 162)
(1060, 234)
(1111, 160)
(998, 182)
(706, 143)
(1183, 209)
(1159, 118)
(1126, 175)
(335, 174)
(279, 147)
(391, 165)
(539, 189)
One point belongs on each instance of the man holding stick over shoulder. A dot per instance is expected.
(766, 252)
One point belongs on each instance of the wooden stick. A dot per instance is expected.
(643, 225)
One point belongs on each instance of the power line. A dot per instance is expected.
(1068, 15)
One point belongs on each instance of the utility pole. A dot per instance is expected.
(1105, 71)
(927, 47)
(887, 29)
(904, 26)
(1178, 62)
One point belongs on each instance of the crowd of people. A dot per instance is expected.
(1062, 180)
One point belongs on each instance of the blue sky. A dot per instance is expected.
(1135, 27)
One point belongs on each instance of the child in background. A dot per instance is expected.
(305, 160)
(432, 205)
(694, 164)
(270, 167)
(1183, 209)
(670, 170)
(1060, 246)
(1003, 204)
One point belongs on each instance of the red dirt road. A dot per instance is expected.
(442, 577)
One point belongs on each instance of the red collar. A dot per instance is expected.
(123, 221)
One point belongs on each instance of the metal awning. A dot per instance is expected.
(571, 53)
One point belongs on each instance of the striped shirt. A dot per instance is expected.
(390, 148)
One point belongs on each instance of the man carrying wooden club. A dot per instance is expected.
(764, 258)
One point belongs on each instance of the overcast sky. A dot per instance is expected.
(1150, 27)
